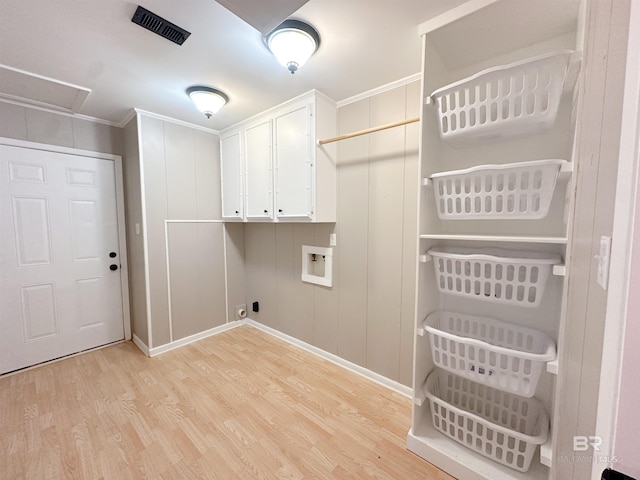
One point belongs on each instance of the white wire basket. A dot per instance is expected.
(504, 427)
(499, 354)
(510, 277)
(519, 191)
(516, 99)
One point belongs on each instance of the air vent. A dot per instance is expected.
(160, 26)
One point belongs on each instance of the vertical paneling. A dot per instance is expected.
(196, 266)
(366, 317)
(155, 193)
(260, 264)
(181, 171)
(351, 231)
(207, 171)
(326, 311)
(302, 293)
(410, 234)
(285, 315)
(235, 267)
(386, 182)
(135, 244)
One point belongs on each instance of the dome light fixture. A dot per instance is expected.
(292, 43)
(208, 100)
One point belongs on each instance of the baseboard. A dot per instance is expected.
(140, 344)
(152, 352)
(363, 372)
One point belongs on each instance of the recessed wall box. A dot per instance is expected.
(317, 265)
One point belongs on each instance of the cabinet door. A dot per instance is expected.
(294, 173)
(231, 174)
(259, 171)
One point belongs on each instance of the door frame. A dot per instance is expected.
(122, 236)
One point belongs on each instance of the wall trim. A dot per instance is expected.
(341, 362)
(378, 90)
(175, 121)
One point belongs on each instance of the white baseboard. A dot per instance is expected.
(152, 352)
(363, 372)
(140, 344)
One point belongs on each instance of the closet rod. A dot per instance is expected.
(369, 130)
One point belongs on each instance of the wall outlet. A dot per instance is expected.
(241, 311)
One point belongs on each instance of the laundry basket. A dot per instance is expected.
(515, 99)
(504, 427)
(519, 191)
(495, 275)
(499, 354)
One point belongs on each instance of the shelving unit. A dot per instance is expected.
(507, 116)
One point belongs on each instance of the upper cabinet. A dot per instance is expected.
(231, 158)
(259, 164)
(281, 172)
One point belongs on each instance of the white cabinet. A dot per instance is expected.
(287, 176)
(231, 157)
(293, 157)
(496, 164)
(259, 164)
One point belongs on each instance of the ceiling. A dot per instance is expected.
(93, 44)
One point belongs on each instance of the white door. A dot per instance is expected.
(293, 164)
(259, 171)
(60, 287)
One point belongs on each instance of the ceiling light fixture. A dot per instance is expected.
(208, 100)
(293, 42)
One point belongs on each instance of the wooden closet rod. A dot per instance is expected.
(369, 130)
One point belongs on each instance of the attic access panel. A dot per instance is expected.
(159, 26)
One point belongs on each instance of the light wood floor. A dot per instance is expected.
(242, 404)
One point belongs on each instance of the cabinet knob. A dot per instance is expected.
(113, 267)
(279, 210)
(237, 212)
(266, 211)
(112, 254)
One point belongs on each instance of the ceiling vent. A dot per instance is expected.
(160, 26)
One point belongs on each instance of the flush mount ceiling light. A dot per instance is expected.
(208, 100)
(293, 42)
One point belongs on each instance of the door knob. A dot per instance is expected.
(113, 267)
(112, 254)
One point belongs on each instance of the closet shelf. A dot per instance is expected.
(507, 101)
(504, 427)
(501, 355)
(510, 277)
(560, 240)
(513, 191)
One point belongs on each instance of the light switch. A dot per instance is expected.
(332, 240)
(603, 258)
